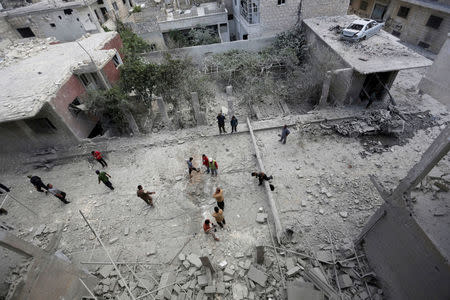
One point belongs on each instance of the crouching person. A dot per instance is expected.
(209, 228)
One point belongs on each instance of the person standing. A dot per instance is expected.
(57, 193)
(213, 167)
(209, 229)
(284, 133)
(261, 177)
(205, 162)
(191, 167)
(98, 156)
(37, 182)
(145, 195)
(218, 195)
(103, 177)
(234, 124)
(218, 215)
(221, 122)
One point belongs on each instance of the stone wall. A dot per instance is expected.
(413, 28)
(436, 81)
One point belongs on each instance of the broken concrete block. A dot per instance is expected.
(223, 264)
(127, 231)
(239, 291)
(202, 280)
(345, 281)
(220, 288)
(210, 289)
(251, 296)
(227, 278)
(181, 256)
(195, 260)
(293, 271)
(239, 255)
(113, 240)
(257, 276)
(186, 264)
(200, 295)
(294, 292)
(290, 263)
(261, 218)
(105, 271)
(228, 271)
(245, 264)
(324, 256)
(151, 250)
(167, 279)
(39, 230)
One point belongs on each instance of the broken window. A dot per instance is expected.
(40, 125)
(68, 11)
(363, 5)
(280, 2)
(89, 80)
(104, 13)
(249, 10)
(403, 12)
(74, 107)
(26, 32)
(434, 22)
(117, 60)
(423, 45)
(114, 5)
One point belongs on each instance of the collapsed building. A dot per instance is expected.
(356, 72)
(40, 103)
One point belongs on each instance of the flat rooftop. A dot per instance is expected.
(45, 6)
(380, 53)
(26, 85)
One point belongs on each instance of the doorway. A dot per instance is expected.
(378, 12)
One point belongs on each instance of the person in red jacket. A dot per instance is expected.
(205, 162)
(98, 156)
(209, 228)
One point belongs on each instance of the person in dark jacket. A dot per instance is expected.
(261, 177)
(37, 182)
(221, 122)
(234, 124)
(284, 133)
(57, 193)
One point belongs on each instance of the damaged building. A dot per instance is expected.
(421, 23)
(356, 72)
(41, 105)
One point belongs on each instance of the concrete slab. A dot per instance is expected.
(257, 276)
(167, 279)
(194, 260)
(296, 293)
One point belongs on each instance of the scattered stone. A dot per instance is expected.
(186, 264)
(178, 178)
(113, 240)
(151, 250)
(324, 256)
(194, 260)
(167, 279)
(245, 264)
(227, 278)
(105, 271)
(127, 231)
(293, 271)
(39, 230)
(239, 255)
(200, 295)
(220, 288)
(343, 214)
(261, 217)
(290, 263)
(321, 211)
(257, 276)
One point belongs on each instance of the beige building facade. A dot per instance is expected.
(418, 22)
(259, 18)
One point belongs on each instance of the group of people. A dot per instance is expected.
(210, 164)
(221, 123)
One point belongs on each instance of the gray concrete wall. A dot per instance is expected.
(19, 136)
(67, 27)
(405, 260)
(437, 81)
(212, 19)
(7, 33)
(413, 28)
(198, 53)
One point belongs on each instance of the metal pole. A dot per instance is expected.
(109, 256)
(92, 294)
(97, 71)
(135, 276)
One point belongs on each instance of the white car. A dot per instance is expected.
(361, 29)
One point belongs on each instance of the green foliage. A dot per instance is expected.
(132, 43)
(108, 104)
(106, 29)
(193, 37)
(291, 42)
(137, 9)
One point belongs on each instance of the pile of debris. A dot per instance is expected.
(378, 122)
(22, 49)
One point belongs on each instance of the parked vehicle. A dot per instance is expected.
(361, 29)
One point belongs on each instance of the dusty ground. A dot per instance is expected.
(321, 180)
